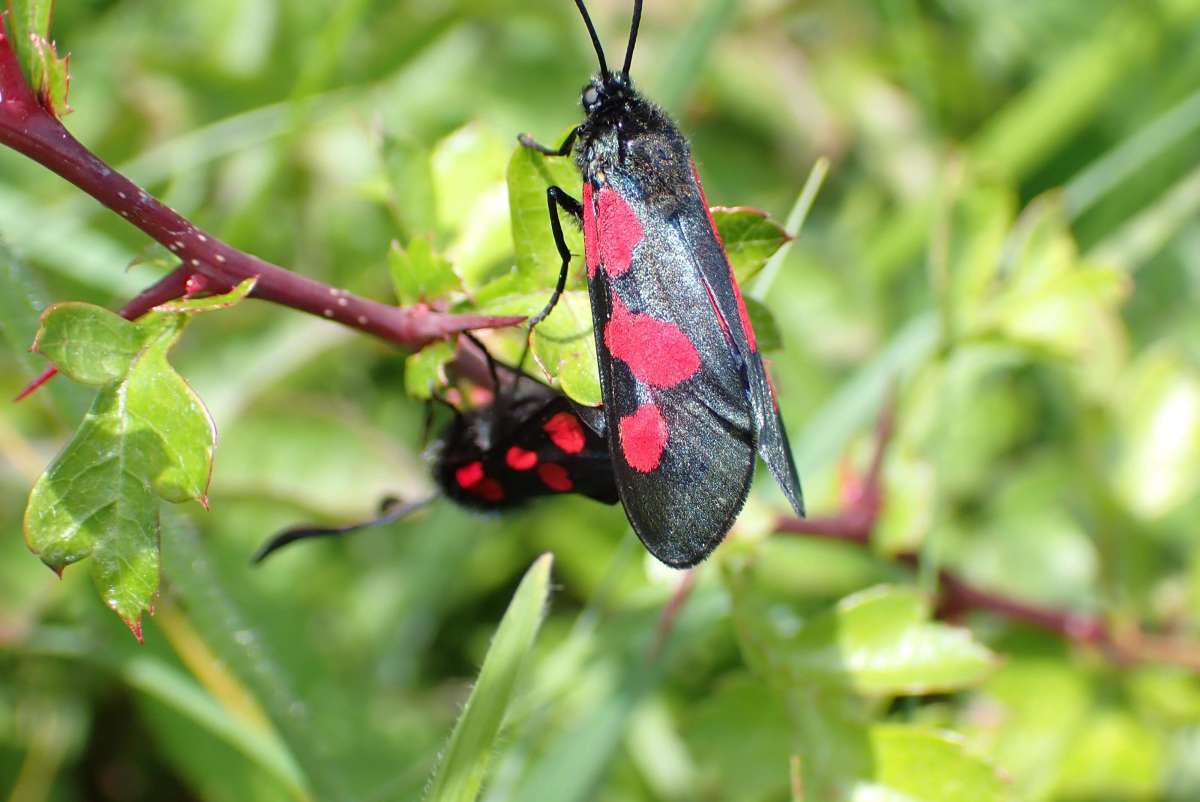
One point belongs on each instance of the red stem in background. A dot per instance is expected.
(29, 129)
(957, 597)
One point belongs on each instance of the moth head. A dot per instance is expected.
(605, 90)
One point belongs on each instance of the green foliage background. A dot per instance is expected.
(1007, 236)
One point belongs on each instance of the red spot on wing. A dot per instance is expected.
(620, 232)
(471, 478)
(469, 475)
(566, 432)
(737, 291)
(520, 460)
(656, 351)
(488, 490)
(555, 477)
(591, 239)
(643, 438)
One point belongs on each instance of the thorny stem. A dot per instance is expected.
(28, 128)
(957, 597)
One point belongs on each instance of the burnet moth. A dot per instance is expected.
(687, 401)
(530, 441)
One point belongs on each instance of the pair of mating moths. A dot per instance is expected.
(687, 402)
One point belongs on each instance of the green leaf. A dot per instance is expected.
(48, 75)
(913, 764)
(881, 642)
(1034, 290)
(425, 371)
(751, 238)
(530, 174)
(1114, 755)
(1062, 313)
(562, 344)
(409, 188)
(766, 330)
(459, 776)
(741, 734)
(1159, 405)
(1039, 705)
(211, 303)
(844, 756)
(419, 274)
(89, 344)
(469, 188)
(565, 348)
(146, 435)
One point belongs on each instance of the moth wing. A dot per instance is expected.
(554, 451)
(701, 238)
(678, 398)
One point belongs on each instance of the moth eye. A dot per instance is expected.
(591, 96)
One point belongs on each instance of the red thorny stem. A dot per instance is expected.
(205, 262)
(957, 597)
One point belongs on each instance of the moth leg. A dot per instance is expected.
(557, 199)
(562, 150)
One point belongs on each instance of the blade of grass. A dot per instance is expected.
(1136, 242)
(856, 403)
(1105, 174)
(231, 635)
(154, 678)
(459, 776)
(795, 222)
(1036, 122)
(21, 304)
(688, 60)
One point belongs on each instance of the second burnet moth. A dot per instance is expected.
(687, 401)
(529, 441)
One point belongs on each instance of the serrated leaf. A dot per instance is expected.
(211, 303)
(459, 775)
(751, 238)
(425, 371)
(530, 174)
(89, 344)
(419, 274)
(146, 435)
(48, 75)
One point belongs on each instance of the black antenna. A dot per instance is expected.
(392, 509)
(633, 31)
(595, 39)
